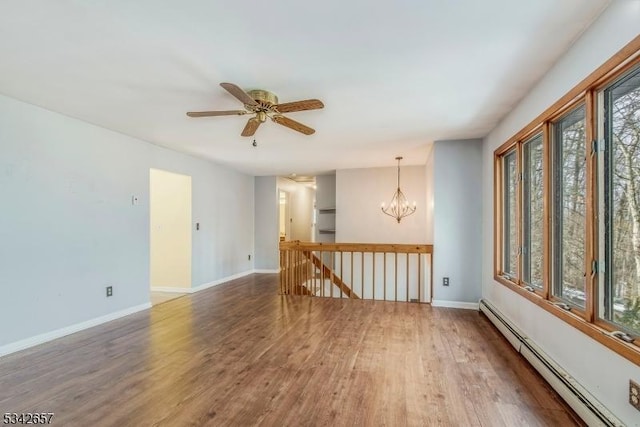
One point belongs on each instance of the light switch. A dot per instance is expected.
(134, 200)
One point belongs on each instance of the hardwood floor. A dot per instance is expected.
(239, 354)
(162, 297)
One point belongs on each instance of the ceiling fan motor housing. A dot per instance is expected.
(263, 96)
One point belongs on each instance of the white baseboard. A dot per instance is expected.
(68, 330)
(266, 271)
(455, 304)
(210, 284)
(171, 289)
(220, 281)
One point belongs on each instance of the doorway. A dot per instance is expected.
(283, 217)
(170, 235)
(296, 198)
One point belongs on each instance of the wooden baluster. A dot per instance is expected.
(280, 262)
(300, 272)
(384, 259)
(306, 273)
(293, 272)
(331, 272)
(407, 272)
(419, 274)
(322, 272)
(351, 284)
(362, 275)
(431, 276)
(342, 270)
(395, 256)
(373, 278)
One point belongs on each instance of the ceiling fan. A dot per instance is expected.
(263, 104)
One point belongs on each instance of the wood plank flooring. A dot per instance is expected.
(239, 354)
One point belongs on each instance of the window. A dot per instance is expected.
(532, 208)
(567, 207)
(621, 281)
(569, 191)
(510, 182)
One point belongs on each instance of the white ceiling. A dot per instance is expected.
(393, 75)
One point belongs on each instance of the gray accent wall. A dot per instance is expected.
(68, 227)
(266, 223)
(457, 220)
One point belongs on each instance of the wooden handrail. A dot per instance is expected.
(296, 245)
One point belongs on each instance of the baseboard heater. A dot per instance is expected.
(581, 401)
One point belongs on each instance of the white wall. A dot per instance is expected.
(605, 374)
(359, 193)
(170, 229)
(429, 189)
(68, 227)
(266, 223)
(457, 224)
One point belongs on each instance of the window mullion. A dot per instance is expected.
(519, 201)
(546, 182)
(591, 224)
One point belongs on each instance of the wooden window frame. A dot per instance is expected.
(570, 108)
(585, 92)
(538, 132)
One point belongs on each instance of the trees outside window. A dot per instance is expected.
(622, 203)
(569, 194)
(510, 180)
(533, 208)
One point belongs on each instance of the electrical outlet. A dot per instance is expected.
(634, 394)
(445, 281)
(197, 226)
(109, 291)
(249, 257)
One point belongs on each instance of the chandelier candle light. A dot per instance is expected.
(399, 206)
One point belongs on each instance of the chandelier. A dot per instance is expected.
(399, 206)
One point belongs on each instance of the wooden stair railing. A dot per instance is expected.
(349, 270)
(299, 278)
(330, 274)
